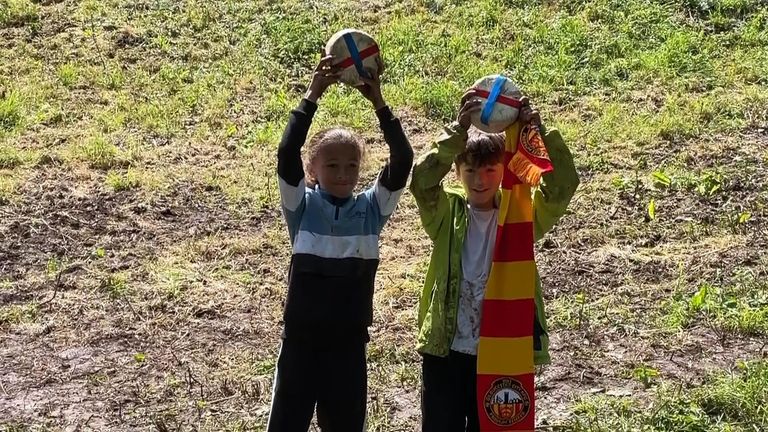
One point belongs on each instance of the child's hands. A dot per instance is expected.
(470, 104)
(371, 89)
(529, 114)
(324, 76)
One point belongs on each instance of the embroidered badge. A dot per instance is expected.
(532, 142)
(507, 402)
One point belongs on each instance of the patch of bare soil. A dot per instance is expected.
(58, 217)
(90, 360)
(204, 359)
(608, 248)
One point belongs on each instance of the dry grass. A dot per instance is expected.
(143, 256)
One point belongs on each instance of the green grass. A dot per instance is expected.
(725, 402)
(122, 181)
(18, 314)
(170, 103)
(171, 281)
(668, 77)
(248, 187)
(194, 269)
(10, 110)
(99, 152)
(68, 74)
(17, 13)
(8, 185)
(583, 311)
(741, 308)
(10, 157)
(564, 57)
(115, 285)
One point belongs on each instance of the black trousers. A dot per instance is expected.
(333, 378)
(449, 393)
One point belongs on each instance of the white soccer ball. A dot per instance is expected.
(368, 52)
(504, 111)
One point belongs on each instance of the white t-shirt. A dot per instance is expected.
(476, 260)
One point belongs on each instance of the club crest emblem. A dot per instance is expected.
(507, 402)
(532, 142)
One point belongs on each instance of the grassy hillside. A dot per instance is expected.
(143, 256)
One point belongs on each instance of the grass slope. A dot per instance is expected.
(143, 257)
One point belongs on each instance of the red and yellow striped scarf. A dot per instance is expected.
(505, 368)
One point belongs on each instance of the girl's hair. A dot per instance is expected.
(324, 137)
(482, 149)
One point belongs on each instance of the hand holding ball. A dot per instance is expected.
(500, 103)
(354, 52)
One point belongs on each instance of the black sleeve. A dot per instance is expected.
(395, 174)
(289, 165)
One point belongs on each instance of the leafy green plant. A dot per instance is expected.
(661, 179)
(740, 308)
(709, 184)
(737, 221)
(115, 285)
(645, 374)
(652, 209)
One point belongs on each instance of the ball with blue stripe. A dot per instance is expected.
(501, 103)
(357, 53)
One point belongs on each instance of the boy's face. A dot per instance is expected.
(481, 183)
(337, 168)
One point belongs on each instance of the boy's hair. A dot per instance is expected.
(481, 149)
(328, 136)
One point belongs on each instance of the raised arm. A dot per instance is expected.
(428, 174)
(394, 176)
(290, 169)
(289, 165)
(551, 199)
(395, 173)
(432, 167)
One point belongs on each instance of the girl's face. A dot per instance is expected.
(336, 167)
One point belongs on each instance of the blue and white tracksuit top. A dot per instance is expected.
(335, 241)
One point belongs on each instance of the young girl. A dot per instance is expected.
(335, 237)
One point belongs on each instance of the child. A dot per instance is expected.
(335, 237)
(462, 223)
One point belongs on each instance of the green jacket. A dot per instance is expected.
(443, 212)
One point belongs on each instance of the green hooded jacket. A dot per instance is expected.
(443, 212)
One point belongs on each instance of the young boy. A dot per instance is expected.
(462, 224)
